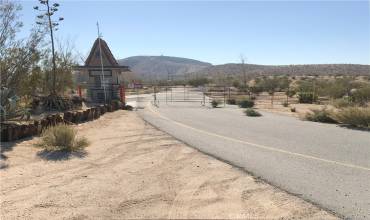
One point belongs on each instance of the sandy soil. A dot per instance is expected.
(132, 170)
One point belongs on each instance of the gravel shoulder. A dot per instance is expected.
(133, 170)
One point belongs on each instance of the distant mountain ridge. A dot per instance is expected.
(305, 69)
(160, 66)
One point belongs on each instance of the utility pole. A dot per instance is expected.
(102, 80)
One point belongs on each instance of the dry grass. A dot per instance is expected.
(354, 116)
(61, 138)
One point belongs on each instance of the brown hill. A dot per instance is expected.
(159, 67)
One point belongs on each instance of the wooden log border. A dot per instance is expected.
(13, 132)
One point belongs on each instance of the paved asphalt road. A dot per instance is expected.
(323, 163)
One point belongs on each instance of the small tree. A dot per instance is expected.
(244, 71)
(18, 58)
(306, 91)
(45, 19)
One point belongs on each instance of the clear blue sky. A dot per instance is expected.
(270, 32)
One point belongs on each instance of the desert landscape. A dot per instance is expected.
(132, 170)
(184, 109)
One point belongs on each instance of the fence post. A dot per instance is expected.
(224, 96)
(166, 93)
(287, 96)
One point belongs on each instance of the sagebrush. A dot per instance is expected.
(215, 103)
(252, 113)
(62, 138)
(246, 103)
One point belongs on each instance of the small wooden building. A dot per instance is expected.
(101, 87)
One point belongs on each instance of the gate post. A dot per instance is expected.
(79, 91)
(122, 94)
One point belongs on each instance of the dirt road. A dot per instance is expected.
(132, 170)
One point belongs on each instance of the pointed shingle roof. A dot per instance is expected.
(106, 51)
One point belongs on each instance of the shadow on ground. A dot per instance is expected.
(8, 146)
(353, 127)
(61, 155)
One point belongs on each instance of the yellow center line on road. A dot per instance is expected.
(259, 145)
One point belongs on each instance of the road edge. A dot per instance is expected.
(243, 169)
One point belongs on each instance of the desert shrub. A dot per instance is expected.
(231, 101)
(117, 103)
(292, 109)
(252, 113)
(355, 116)
(285, 104)
(361, 95)
(342, 103)
(215, 103)
(246, 103)
(322, 115)
(307, 97)
(61, 138)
